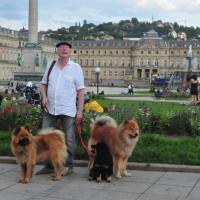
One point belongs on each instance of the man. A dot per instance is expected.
(59, 96)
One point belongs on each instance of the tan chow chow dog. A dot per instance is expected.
(29, 149)
(121, 140)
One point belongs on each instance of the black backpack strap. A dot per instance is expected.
(50, 69)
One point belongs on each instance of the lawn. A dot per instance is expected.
(153, 147)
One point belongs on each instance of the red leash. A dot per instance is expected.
(78, 130)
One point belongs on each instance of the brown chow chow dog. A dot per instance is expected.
(29, 149)
(121, 140)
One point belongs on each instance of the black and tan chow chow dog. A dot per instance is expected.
(102, 168)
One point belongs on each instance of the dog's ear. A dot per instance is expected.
(126, 122)
(93, 148)
(27, 128)
(16, 130)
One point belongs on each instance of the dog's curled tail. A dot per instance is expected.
(52, 131)
(103, 120)
(60, 142)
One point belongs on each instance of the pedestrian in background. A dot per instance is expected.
(194, 89)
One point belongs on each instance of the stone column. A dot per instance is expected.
(33, 22)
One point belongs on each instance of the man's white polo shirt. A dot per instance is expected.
(62, 88)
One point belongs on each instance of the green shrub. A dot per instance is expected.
(7, 119)
(180, 123)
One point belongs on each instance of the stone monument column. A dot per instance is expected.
(32, 49)
(33, 22)
(32, 52)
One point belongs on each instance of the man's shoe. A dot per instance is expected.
(44, 171)
(67, 171)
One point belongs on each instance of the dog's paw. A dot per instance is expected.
(108, 179)
(127, 174)
(118, 176)
(24, 181)
(98, 179)
(56, 178)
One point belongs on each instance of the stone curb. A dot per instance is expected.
(131, 165)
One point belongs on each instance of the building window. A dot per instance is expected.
(149, 52)
(156, 52)
(87, 52)
(123, 52)
(149, 62)
(165, 63)
(74, 51)
(110, 52)
(142, 52)
(116, 52)
(156, 62)
(141, 62)
(172, 52)
(80, 51)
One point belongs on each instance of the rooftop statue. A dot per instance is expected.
(37, 60)
(19, 60)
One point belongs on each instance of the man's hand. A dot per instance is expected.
(79, 117)
(44, 101)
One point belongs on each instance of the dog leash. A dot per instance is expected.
(78, 130)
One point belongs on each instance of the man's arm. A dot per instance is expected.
(43, 92)
(79, 114)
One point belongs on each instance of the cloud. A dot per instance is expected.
(183, 6)
(55, 14)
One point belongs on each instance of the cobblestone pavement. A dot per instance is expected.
(142, 185)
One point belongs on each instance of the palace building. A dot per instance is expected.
(120, 61)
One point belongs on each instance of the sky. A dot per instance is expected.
(54, 14)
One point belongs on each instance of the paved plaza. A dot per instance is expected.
(142, 185)
(159, 182)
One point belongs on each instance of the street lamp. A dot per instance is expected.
(97, 72)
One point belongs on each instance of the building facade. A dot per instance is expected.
(120, 61)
